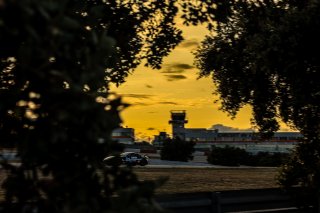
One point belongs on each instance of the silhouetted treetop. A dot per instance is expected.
(57, 58)
(265, 54)
(137, 30)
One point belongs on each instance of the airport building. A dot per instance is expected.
(124, 135)
(248, 140)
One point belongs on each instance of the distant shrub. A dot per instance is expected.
(268, 159)
(177, 150)
(227, 156)
(232, 156)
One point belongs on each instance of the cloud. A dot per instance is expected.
(168, 102)
(170, 71)
(222, 128)
(181, 66)
(189, 43)
(140, 104)
(151, 129)
(138, 96)
(149, 86)
(176, 68)
(174, 77)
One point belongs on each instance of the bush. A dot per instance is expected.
(227, 156)
(177, 150)
(267, 159)
(302, 170)
(231, 156)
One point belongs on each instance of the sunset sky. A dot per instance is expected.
(153, 93)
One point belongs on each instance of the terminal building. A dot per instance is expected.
(248, 140)
(124, 135)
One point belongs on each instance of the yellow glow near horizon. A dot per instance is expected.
(154, 93)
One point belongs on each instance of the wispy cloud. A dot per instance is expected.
(181, 66)
(172, 71)
(138, 96)
(151, 128)
(175, 77)
(189, 43)
(149, 86)
(168, 102)
(176, 68)
(137, 103)
(166, 99)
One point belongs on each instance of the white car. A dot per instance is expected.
(127, 158)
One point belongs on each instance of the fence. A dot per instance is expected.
(249, 201)
(240, 201)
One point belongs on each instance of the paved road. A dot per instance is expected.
(157, 163)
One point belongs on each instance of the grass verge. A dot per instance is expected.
(182, 180)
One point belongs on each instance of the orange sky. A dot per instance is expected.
(153, 93)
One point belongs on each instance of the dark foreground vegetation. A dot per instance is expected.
(57, 61)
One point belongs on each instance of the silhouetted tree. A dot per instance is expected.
(265, 53)
(56, 60)
(177, 150)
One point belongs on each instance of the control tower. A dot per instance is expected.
(178, 119)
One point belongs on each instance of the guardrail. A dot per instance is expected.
(239, 201)
(248, 201)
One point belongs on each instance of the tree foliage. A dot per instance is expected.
(177, 150)
(56, 108)
(57, 59)
(265, 53)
